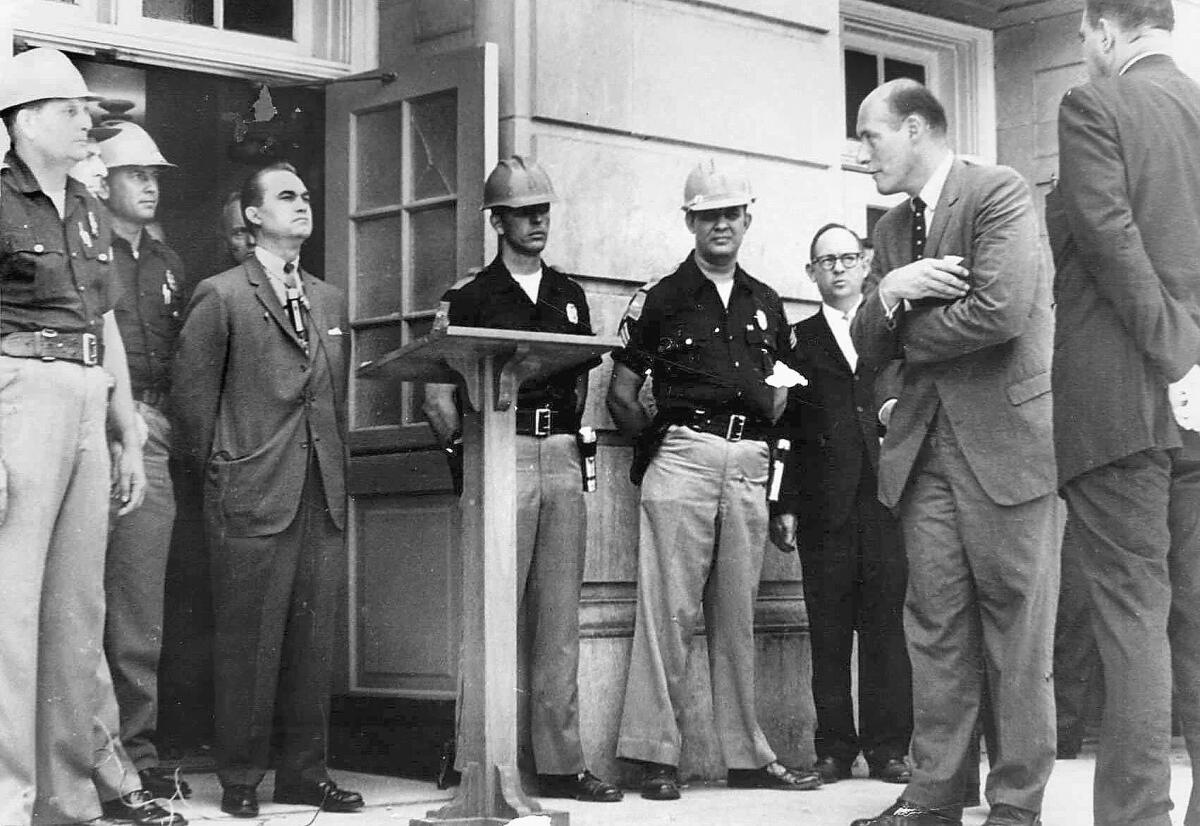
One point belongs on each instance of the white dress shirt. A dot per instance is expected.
(839, 323)
(273, 264)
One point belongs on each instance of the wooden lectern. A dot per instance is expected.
(490, 366)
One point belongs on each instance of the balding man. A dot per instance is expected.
(957, 293)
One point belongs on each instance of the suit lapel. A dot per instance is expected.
(947, 204)
(823, 337)
(265, 293)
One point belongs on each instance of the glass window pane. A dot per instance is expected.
(434, 122)
(893, 69)
(376, 403)
(416, 392)
(434, 245)
(862, 75)
(378, 146)
(199, 12)
(379, 257)
(271, 18)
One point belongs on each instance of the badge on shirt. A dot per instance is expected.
(92, 223)
(172, 283)
(761, 318)
(83, 235)
(572, 313)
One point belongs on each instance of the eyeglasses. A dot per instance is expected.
(849, 261)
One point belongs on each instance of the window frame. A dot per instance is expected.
(958, 62)
(331, 38)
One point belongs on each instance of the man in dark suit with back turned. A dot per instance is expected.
(1125, 230)
(260, 394)
(849, 543)
(957, 294)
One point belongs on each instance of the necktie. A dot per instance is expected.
(294, 303)
(918, 228)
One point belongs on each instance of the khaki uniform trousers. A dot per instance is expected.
(53, 447)
(703, 527)
(551, 546)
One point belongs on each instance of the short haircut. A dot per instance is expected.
(812, 248)
(251, 193)
(908, 97)
(9, 115)
(1131, 15)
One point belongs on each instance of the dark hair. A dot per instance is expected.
(908, 97)
(9, 115)
(812, 248)
(252, 191)
(1131, 14)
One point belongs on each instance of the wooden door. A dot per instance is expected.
(405, 163)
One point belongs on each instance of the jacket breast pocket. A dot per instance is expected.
(37, 262)
(1029, 388)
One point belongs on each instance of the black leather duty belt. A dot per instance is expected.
(152, 396)
(732, 427)
(543, 421)
(51, 345)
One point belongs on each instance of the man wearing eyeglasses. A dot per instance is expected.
(711, 336)
(849, 544)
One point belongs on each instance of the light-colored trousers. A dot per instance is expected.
(703, 528)
(52, 444)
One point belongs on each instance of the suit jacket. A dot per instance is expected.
(832, 425)
(985, 358)
(1124, 227)
(250, 403)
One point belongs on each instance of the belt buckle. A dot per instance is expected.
(737, 425)
(541, 421)
(89, 352)
(45, 336)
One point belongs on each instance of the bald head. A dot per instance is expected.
(902, 136)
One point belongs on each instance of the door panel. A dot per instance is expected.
(405, 162)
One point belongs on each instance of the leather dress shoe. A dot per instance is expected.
(774, 775)
(1003, 814)
(831, 770)
(325, 795)
(140, 808)
(584, 786)
(892, 770)
(239, 801)
(165, 783)
(904, 813)
(661, 782)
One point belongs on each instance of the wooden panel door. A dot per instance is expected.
(406, 158)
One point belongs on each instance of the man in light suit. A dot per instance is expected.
(849, 544)
(1125, 230)
(260, 395)
(959, 298)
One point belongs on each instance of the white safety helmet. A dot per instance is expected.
(40, 74)
(130, 146)
(711, 187)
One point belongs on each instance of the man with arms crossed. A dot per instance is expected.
(957, 293)
(1125, 230)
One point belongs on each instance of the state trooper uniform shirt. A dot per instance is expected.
(702, 355)
(493, 298)
(55, 273)
(150, 302)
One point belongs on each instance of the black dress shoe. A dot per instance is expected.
(325, 795)
(774, 775)
(892, 770)
(831, 770)
(1003, 814)
(139, 807)
(584, 786)
(165, 783)
(661, 782)
(904, 813)
(239, 801)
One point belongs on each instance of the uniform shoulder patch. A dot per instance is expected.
(633, 310)
(471, 275)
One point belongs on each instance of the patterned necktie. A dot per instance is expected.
(918, 229)
(294, 303)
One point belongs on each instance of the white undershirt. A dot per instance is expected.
(530, 282)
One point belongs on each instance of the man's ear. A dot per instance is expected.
(1108, 35)
(250, 214)
(497, 224)
(812, 272)
(689, 218)
(749, 218)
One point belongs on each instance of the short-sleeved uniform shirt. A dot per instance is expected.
(149, 308)
(702, 355)
(55, 273)
(493, 298)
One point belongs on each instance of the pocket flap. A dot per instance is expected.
(1030, 388)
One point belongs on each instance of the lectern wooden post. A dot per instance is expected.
(490, 366)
